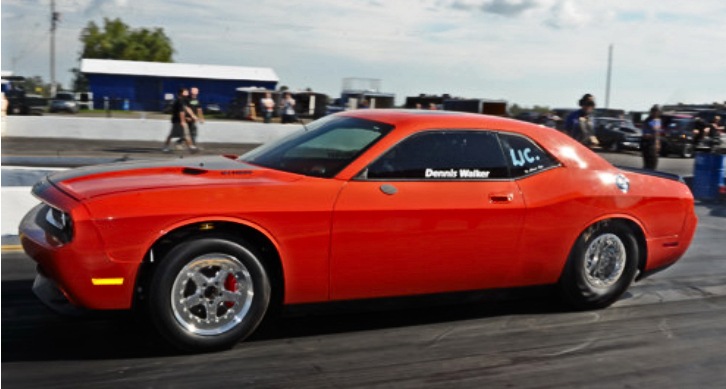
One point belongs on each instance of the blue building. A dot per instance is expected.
(147, 86)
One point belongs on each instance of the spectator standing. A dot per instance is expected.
(700, 130)
(195, 114)
(5, 104)
(650, 142)
(579, 125)
(268, 105)
(716, 132)
(432, 107)
(716, 127)
(179, 128)
(288, 109)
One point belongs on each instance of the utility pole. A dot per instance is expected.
(54, 17)
(610, 73)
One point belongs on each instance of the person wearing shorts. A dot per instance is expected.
(179, 128)
(194, 115)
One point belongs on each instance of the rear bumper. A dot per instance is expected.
(664, 252)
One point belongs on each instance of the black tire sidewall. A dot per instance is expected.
(160, 309)
(575, 288)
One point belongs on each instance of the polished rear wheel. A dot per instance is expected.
(605, 260)
(601, 266)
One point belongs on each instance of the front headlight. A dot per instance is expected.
(61, 222)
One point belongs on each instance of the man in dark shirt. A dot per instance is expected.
(650, 142)
(179, 128)
(700, 130)
(578, 124)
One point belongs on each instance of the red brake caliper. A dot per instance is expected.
(230, 283)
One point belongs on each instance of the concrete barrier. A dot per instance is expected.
(16, 202)
(140, 129)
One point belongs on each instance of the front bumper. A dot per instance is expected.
(53, 297)
(75, 268)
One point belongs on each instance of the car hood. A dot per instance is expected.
(100, 180)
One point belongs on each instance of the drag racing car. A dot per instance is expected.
(360, 205)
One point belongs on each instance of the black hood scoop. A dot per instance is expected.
(190, 166)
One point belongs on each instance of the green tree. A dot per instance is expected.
(79, 82)
(515, 109)
(116, 40)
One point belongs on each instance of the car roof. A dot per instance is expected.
(408, 122)
(435, 118)
(414, 120)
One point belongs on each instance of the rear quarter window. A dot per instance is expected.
(524, 156)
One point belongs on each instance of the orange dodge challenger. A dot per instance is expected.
(359, 205)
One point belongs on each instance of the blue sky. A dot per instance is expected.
(546, 52)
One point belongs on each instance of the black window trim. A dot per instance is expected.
(362, 175)
(556, 161)
(338, 171)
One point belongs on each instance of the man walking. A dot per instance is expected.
(650, 143)
(195, 114)
(179, 128)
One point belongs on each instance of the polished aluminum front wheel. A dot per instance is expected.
(212, 294)
(605, 260)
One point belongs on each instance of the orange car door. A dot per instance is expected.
(435, 213)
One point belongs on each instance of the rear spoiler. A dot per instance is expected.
(669, 176)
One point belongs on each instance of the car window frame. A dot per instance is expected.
(557, 163)
(353, 159)
(362, 174)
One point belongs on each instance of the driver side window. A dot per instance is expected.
(443, 155)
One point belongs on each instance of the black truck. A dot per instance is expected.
(20, 102)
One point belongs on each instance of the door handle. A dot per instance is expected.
(389, 189)
(500, 198)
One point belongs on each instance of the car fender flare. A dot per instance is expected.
(209, 219)
(615, 216)
(610, 216)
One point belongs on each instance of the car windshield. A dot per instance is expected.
(323, 150)
(64, 96)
